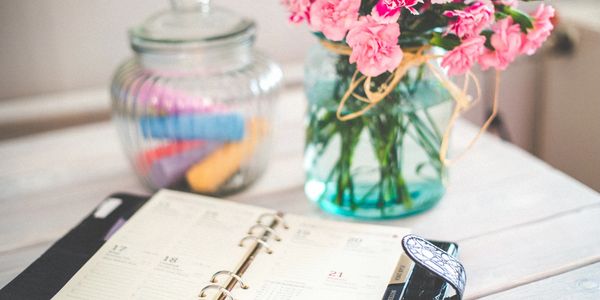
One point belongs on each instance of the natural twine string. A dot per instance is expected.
(411, 59)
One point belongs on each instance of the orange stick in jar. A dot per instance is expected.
(210, 174)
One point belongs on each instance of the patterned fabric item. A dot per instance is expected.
(437, 261)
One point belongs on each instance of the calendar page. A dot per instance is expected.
(318, 259)
(168, 250)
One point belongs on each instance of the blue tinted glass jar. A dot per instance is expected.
(193, 106)
(385, 163)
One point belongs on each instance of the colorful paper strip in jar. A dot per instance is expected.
(210, 126)
(202, 143)
(164, 100)
(206, 153)
(171, 169)
(216, 169)
(147, 158)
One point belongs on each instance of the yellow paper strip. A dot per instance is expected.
(208, 175)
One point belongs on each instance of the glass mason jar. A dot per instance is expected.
(193, 106)
(384, 163)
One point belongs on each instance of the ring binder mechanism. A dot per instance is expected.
(231, 275)
(275, 217)
(221, 289)
(265, 228)
(267, 223)
(258, 240)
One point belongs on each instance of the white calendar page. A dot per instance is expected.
(168, 250)
(326, 260)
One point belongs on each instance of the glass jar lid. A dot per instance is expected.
(189, 25)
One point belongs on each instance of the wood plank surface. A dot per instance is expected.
(508, 210)
(579, 284)
(532, 252)
(28, 115)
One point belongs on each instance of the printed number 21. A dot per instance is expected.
(335, 274)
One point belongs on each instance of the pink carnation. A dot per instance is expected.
(298, 9)
(542, 27)
(471, 21)
(334, 17)
(374, 46)
(389, 10)
(461, 59)
(506, 41)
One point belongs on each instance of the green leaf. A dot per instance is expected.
(500, 15)
(420, 167)
(448, 42)
(488, 39)
(521, 18)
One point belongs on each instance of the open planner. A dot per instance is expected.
(183, 246)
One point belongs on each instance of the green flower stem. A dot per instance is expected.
(431, 151)
(350, 136)
(433, 125)
(402, 192)
(387, 134)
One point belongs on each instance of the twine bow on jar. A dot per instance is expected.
(462, 100)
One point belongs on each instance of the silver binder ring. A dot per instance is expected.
(221, 289)
(213, 279)
(265, 228)
(276, 217)
(258, 240)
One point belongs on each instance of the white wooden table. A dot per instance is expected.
(525, 230)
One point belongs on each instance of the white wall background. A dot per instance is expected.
(59, 45)
(569, 135)
(56, 45)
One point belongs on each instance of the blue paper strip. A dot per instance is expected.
(214, 127)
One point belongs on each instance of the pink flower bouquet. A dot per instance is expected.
(376, 144)
(377, 30)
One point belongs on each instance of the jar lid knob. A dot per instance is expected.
(190, 4)
(191, 24)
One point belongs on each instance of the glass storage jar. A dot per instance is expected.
(193, 106)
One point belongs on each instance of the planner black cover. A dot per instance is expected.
(49, 273)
